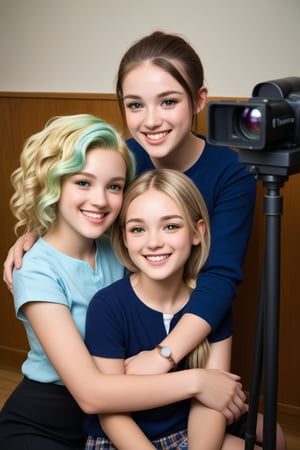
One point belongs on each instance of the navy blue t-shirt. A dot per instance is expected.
(229, 191)
(120, 325)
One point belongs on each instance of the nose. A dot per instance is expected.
(98, 197)
(154, 240)
(152, 118)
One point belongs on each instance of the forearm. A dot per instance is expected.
(206, 428)
(189, 332)
(124, 433)
(94, 391)
(122, 393)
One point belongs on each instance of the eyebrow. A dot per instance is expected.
(161, 95)
(163, 218)
(88, 174)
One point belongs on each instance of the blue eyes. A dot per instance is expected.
(87, 184)
(83, 183)
(134, 105)
(138, 230)
(115, 187)
(169, 102)
(137, 105)
(171, 227)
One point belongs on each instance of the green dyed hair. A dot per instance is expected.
(50, 155)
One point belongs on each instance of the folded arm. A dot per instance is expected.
(121, 429)
(96, 392)
(231, 215)
(206, 427)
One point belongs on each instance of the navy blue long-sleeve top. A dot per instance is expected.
(229, 190)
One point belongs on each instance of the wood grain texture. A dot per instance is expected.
(22, 114)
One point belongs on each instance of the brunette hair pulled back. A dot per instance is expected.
(171, 53)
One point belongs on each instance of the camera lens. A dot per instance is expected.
(249, 122)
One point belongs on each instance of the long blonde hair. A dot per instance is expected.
(186, 195)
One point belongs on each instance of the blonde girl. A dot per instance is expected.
(162, 237)
(69, 187)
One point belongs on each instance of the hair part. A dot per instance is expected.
(58, 151)
(171, 53)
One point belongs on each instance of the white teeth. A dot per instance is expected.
(93, 215)
(157, 258)
(156, 136)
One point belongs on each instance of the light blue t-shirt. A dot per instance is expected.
(50, 276)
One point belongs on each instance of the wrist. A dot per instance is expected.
(166, 353)
(195, 382)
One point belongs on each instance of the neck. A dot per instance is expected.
(166, 296)
(187, 153)
(75, 246)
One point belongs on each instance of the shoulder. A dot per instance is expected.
(218, 171)
(41, 252)
(40, 278)
(110, 303)
(113, 293)
(222, 165)
(221, 157)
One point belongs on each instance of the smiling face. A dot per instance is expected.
(91, 198)
(159, 115)
(157, 236)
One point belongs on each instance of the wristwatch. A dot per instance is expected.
(165, 352)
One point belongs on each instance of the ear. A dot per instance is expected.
(201, 100)
(201, 232)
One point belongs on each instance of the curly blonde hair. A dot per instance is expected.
(52, 154)
(186, 195)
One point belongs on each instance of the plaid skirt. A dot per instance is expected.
(175, 441)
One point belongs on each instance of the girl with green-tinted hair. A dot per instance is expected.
(69, 187)
(51, 154)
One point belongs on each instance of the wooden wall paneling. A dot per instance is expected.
(22, 114)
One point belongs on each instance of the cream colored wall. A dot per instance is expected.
(75, 45)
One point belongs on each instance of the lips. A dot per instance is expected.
(93, 215)
(157, 258)
(156, 136)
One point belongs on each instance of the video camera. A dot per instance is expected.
(270, 120)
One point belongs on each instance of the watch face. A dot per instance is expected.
(165, 352)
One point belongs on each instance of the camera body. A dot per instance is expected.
(269, 120)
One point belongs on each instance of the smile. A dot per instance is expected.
(156, 136)
(93, 215)
(157, 258)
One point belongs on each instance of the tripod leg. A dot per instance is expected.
(250, 435)
(273, 208)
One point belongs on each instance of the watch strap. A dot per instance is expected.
(169, 357)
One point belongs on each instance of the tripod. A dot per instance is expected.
(272, 168)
